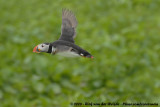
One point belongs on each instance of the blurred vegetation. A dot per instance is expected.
(122, 35)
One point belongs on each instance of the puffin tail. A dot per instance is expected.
(90, 56)
(86, 55)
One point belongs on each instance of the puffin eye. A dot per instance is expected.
(42, 46)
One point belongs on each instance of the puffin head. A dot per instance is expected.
(44, 47)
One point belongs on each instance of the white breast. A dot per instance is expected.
(68, 54)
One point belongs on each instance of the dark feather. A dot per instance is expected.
(68, 28)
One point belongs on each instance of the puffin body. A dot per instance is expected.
(65, 45)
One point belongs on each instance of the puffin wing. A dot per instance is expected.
(68, 27)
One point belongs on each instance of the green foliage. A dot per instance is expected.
(122, 35)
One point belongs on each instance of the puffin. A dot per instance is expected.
(65, 45)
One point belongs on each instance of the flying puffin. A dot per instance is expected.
(65, 45)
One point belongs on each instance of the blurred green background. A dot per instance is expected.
(122, 35)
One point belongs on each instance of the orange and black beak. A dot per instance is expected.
(36, 49)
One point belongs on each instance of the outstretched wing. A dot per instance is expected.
(68, 27)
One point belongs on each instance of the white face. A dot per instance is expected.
(43, 47)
